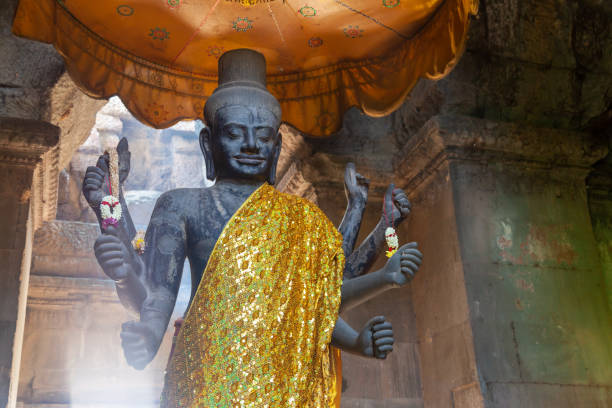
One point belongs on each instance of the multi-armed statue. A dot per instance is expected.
(267, 268)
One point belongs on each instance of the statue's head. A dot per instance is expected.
(241, 138)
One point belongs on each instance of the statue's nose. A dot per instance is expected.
(250, 145)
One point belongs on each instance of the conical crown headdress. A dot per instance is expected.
(242, 81)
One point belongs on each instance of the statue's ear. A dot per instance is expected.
(123, 151)
(277, 150)
(205, 145)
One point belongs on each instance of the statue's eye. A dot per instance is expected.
(234, 133)
(264, 134)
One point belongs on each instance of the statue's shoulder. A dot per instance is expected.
(180, 200)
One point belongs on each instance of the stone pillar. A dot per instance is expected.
(22, 143)
(510, 306)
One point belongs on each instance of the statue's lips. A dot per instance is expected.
(248, 159)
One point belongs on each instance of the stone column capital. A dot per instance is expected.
(457, 137)
(24, 141)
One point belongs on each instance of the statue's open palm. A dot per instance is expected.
(355, 185)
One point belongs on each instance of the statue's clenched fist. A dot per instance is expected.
(112, 255)
(376, 338)
(396, 206)
(139, 343)
(403, 265)
(94, 185)
(94, 188)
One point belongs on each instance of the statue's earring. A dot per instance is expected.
(205, 145)
(277, 149)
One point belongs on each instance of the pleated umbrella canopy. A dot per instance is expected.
(323, 56)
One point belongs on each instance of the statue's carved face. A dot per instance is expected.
(244, 141)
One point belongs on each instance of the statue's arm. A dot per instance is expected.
(165, 252)
(396, 208)
(398, 271)
(113, 248)
(376, 338)
(356, 189)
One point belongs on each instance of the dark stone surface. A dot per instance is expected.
(27, 70)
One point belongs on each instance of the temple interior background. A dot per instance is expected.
(506, 162)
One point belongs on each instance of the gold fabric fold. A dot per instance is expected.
(258, 330)
(324, 56)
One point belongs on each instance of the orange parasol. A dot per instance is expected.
(324, 56)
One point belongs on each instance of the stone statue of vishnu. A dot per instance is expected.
(270, 272)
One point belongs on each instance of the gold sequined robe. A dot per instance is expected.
(258, 330)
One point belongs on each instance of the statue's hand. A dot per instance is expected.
(112, 255)
(94, 188)
(93, 183)
(396, 205)
(376, 338)
(355, 185)
(403, 265)
(139, 342)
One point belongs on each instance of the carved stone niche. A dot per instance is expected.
(32, 146)
(22, 143)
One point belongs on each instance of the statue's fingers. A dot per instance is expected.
(382, 326)
(140, 328)
(112, 267)
(91, 185)
(134, 345)
(382, 333)
(107, 243)
(387, 348)
(102, 163)
(408, 264)
(362, 180)
(399, 195)
(140, 364)
(413, 258)
(385, 341)
(408, 272)
(130, 337)
(137, 358)
(107, 238)
(110, 255)
(93, 180)
(349, 174)
(94, 171)
(375, 320)
(412, 252)
(111, 230)
(113, 259)
(403, 203)
(407, 248)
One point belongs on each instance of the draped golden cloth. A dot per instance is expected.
(258, 330)
(324, 56)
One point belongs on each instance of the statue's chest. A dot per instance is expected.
(206, 228)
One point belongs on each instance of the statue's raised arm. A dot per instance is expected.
(113, 248)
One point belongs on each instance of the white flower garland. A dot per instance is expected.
(110, 211)
(392, 242)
